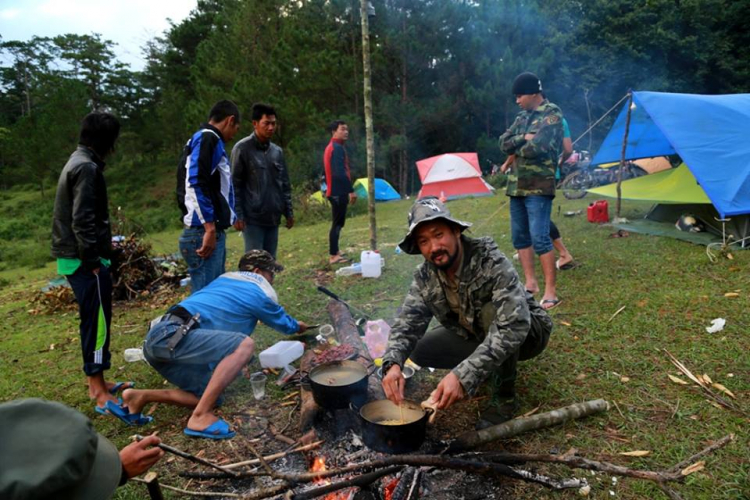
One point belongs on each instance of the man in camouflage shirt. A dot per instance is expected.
(535, 138)
(487, 320)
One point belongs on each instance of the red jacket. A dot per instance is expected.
(336, 164)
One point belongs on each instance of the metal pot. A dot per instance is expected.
(397, 438)
(338, 384)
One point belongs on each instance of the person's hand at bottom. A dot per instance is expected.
(140, 456)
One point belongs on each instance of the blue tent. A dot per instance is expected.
(709, 132)
(383, 190)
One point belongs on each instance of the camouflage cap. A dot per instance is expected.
(260, 259)
(425, 210)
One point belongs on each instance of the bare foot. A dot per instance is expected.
(533, 289)
(337, 259)
(102, 398)
(201, 422)
(133, 400)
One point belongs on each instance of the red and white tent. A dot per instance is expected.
(452, 175)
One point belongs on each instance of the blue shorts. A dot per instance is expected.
(529, 222)
(192, 363)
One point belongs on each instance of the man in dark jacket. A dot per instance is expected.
(261, 183)
(205, 195)
(82, 244)
(339, 189)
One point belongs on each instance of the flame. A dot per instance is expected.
(319, 465)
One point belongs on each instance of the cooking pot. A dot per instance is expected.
(337, 384)
(393, 437)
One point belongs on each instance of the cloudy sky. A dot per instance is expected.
(129, 23)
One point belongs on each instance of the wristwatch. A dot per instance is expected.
(387, 366)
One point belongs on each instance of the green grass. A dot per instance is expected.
(670, 289)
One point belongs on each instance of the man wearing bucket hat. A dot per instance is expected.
(487, 320)
(51, 451)
(201, 344)
(535, 138)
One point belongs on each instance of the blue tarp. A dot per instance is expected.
(709, 132)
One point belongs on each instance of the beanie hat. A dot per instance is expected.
(527, 83)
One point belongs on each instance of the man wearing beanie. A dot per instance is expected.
(535, 138)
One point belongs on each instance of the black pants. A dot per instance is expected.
(444, 348)
(554, 233)
(338, 214)
(94, 296)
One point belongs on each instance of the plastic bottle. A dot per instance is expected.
(355, 268)
(134, 354)
(398, 250)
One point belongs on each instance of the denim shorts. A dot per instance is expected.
(192, 363)
(529, 222)
(202, 271)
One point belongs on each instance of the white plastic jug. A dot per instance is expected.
(371, 264)
(281, 353)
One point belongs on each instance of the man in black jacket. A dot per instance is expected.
(82, 244)
(261, 184)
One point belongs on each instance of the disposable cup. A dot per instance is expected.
(258, 383)
(328, 333)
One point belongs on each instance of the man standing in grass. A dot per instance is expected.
(535, 138)
(82, 244)
(261, 181)
(339, 189)
(205, 195)
(487, 321)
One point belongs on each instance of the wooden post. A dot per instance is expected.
(369, 132)
(622, 156)
(152, 484)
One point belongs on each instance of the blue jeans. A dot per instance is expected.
(261, 238)
(202, 271)
(192, 363)
(529, 222)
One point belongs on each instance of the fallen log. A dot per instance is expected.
(347, 333)
(473, 439)
(308, 410)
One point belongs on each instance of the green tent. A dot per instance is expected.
(676, 185)
(676, 192)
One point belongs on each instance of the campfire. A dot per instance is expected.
(333, 460)
(319, 465)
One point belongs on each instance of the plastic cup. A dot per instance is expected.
(258, 383)
(328, 333)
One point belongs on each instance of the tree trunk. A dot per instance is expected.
(367, 78)
(510, 428)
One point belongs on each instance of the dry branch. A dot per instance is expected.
(275, 456)
(361, 480)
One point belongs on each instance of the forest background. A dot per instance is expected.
(442, 72)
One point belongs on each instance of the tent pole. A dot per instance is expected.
(622, 156)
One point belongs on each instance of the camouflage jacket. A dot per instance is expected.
(487, 276)
(533, 172)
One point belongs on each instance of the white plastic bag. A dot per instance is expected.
(376, 337)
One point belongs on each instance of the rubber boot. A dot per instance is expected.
(503, 403)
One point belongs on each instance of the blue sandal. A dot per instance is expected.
(128, 418)
(217, 430)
